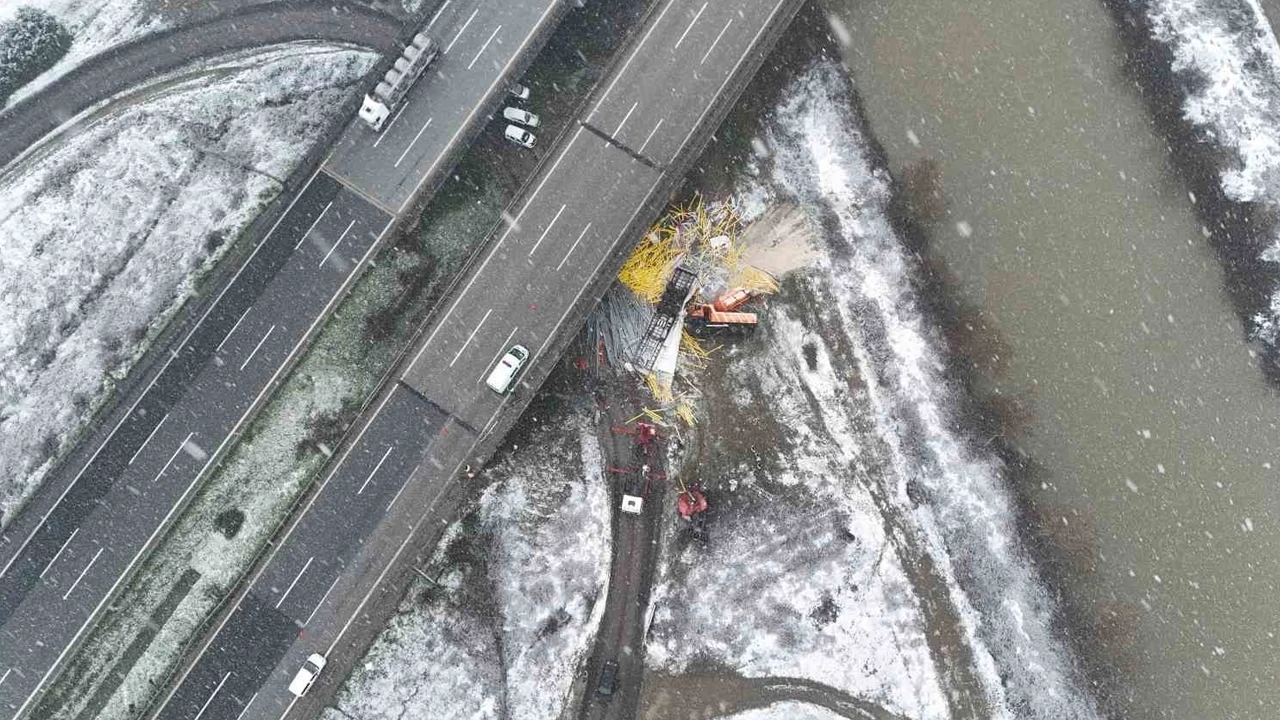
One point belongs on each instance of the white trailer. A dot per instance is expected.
(390, 91)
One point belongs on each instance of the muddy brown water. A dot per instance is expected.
(1067, 233)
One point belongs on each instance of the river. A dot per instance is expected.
(1076, 255)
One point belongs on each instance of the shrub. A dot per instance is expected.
(30, 43)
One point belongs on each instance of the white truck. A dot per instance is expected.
(390, 91)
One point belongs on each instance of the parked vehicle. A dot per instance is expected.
(504, 373)
(517, 91)
(524, 117)
(608, 679)
(520, 136)
(391, 90)
(306, 677)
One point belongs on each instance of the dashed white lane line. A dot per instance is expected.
(383, 134)
(625, 118)
(436, 17)
(652, 132)
(216, 690)
(573, 247)
(484, 47)
(373, 472)
(501, 349)
(324, 597)
(232, 331)
(296, 578)
(341, 237)
(685, 34)
(403, 485)
(246, 706)
(174, 456)
(314, 223)
(59, 553)
(464, 29)
(627, 64)
(471, 337)
(154, 430)
(5, 676)
(414, 141)
(543, 236)
(258, 347)
(83, 572)
(715, 42)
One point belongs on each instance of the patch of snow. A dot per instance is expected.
(107, 233)
(504, 631)
(95, 26)
(786, 711)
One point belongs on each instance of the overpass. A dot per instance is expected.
(68, 555)
(340, 568)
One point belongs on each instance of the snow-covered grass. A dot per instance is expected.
(264, 474)
(518, 593)
(96, 25)
(871, 492)
(106, 234)
(1228, 60)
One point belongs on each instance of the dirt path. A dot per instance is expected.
(713, 694)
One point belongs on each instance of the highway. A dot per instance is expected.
(67, 555)
(328, 584)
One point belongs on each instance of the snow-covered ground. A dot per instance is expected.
(520, 586)
(106, 233)
(785, 711)
(1227, 57)
(95, 25)
(855, 377)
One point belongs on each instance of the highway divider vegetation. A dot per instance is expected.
(32, 42)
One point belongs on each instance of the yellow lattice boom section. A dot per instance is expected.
(646, 272)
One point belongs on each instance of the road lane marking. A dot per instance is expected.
(83, 572)
(652, 132)
(375, 470)
(627, 64)
(341, 237)
(313, 225)
(501, 349)
(686, 30)
(484, 47)
(573, 247)
(232, 331)
(292, 702)
(624, 119)
(154, 430)
(259, 345)
(295, 582)
(436, 17)
(543, 236)
(246, 706)
(403, 485)
(383, 134)
(5, 676)
(715, 42)
(59, 553)
(173, 457)
(216, 690)
(471, 337)
(324, 597)
(464, 29)
(412, 142)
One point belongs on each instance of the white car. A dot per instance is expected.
(504, 372)
(307, 675)
(524, 117)
(520, 136)
(519, 92)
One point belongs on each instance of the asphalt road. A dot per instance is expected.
(65, 557)
(129, 65)
(480, 42)
(531, 281)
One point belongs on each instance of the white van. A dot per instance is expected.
(524, 117)
(505, 371)
(306, 677)
(520, 136)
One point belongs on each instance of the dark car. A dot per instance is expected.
(608, 679)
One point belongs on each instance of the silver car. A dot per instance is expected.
(524, 117)
(520, 136)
